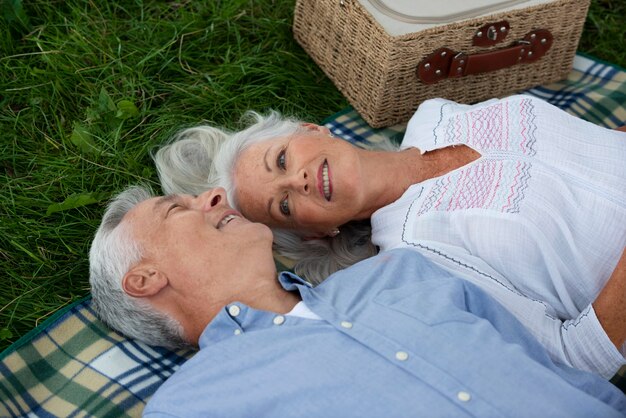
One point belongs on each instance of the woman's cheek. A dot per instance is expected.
(312, 216)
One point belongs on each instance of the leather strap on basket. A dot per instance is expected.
(446, 63)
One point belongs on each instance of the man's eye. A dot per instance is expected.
(284, 207)
(280, 160)
(171, 208)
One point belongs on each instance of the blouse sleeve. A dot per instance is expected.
(580, 342)
(585, 343)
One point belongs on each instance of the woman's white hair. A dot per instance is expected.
(113, 252)
(203, 157)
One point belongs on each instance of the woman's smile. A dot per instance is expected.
(324, 183)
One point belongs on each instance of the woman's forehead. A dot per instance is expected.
(255, 204)
(251, 185)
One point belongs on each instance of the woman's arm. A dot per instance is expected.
(610, 306)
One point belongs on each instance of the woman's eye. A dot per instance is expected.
(280, 160)
(284, 207)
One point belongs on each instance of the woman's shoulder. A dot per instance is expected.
(433, 118)
(437, 106)
(420, 131)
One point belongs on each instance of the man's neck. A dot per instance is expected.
(269, 296)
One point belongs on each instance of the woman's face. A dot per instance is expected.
(309, 182)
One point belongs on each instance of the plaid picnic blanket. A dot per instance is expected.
(73, 365)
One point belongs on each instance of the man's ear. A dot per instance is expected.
(144, 281)
(317, 128)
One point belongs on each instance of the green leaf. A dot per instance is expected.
(81, 137)
(5, 334)
(105, 103)
(126, 109)
(75, 201)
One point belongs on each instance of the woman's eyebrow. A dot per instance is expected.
(269, 206)
(267, 166)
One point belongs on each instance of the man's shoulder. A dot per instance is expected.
(190, 388)
(395, 261)
(393, 268)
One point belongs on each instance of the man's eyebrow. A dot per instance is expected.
(164, 200)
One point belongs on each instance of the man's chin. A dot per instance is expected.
(258, 231)
(267, 231)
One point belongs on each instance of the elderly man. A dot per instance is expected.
(392, 336)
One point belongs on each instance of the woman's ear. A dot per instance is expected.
(319, 235)
(143, 282)
(316, 128)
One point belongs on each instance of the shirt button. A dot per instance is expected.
(346, 324)
(402, 355)
(278, 320)
(234, 310)
(463, 396)
(237, 331)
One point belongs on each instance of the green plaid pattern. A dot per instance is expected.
(73, 365)
(76, 366)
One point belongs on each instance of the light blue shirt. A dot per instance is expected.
(399, 337)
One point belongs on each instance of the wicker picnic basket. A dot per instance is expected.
(386, 76)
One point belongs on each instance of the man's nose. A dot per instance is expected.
(299, 182)
(211, 198)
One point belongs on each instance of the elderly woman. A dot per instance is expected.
(517, 196)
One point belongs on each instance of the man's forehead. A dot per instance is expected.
(148, 210)
(159, 202)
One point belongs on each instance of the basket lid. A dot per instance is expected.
(399, 17)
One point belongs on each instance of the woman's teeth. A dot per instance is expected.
(226, 220)
(326, 181)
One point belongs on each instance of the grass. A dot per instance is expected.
(88, 88)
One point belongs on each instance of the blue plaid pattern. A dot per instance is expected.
(593, 91)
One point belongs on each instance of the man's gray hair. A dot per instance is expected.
(204, 157)
(113, 253)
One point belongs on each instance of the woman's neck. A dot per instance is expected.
(390, 173)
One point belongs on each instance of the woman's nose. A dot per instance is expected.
(299, 182)
(212, 198)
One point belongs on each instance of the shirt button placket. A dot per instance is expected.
(234, 310)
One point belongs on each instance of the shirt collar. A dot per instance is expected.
(231, 319)
(290, 281)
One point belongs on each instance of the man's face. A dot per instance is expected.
(198, 240)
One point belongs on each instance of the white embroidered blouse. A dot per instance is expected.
(539, 220)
